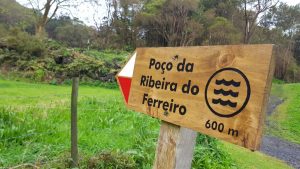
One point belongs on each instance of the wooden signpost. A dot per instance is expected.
(221, 91)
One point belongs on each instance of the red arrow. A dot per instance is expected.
(125, 76)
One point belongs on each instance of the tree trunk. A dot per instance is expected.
(40, 31)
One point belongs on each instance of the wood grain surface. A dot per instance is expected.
(175, 147)
(230, 87)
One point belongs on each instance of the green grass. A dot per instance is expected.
(107, 55)
(246, 159)
(35, 122)
(35, 129)
(284, 122)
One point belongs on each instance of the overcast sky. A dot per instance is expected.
(86, 12)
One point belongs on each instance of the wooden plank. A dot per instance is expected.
(74, 145)
(230, 88)
(175, 147)
(185, 148)
(265, 100)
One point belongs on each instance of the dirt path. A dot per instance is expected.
(279, 148)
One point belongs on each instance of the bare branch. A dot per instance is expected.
(53, 14)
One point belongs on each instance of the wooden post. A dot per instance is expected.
(175, 147)
(74, 147)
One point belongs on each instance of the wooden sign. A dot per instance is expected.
(221, 91)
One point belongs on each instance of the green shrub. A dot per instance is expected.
(67, 53)
(53, 82)
(24, 43)
(31, 58)
(86, 66)
(293, 72)
(53, 45)
(3, 30)
(208, 154)
(108, 55)
(278, 81)
(39, 75)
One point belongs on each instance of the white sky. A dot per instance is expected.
(291, 2)
(86, 11)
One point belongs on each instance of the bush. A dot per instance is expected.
(110, 56)
(39, 75)
(277, 81)
(293, 72)
(86, 66)
(115, 160)
(24, 43)
(208, 154)
(49, 61)
(3, 30)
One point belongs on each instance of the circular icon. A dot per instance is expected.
(227, 92)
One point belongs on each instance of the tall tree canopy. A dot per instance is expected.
(45, 10)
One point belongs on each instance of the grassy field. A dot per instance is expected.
(35, 129)
(284, 122)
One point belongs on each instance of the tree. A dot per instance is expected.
(285, 17)
(252, 9)
(74, 35)
(118, 29)
(281, 26)
(172, 21)
(286, 20)
(57, 22)
(297, 48)
(45, 10)
(222, 32)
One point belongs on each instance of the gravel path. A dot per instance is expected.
(273, 103)
(281, 149)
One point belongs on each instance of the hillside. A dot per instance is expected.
(12, 13)
(26, 56)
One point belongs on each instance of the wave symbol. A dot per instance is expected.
(228, 83)
(226, 93)
(224, 103)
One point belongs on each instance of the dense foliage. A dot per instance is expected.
(47, 60)
(205, 22)
(136, 23)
